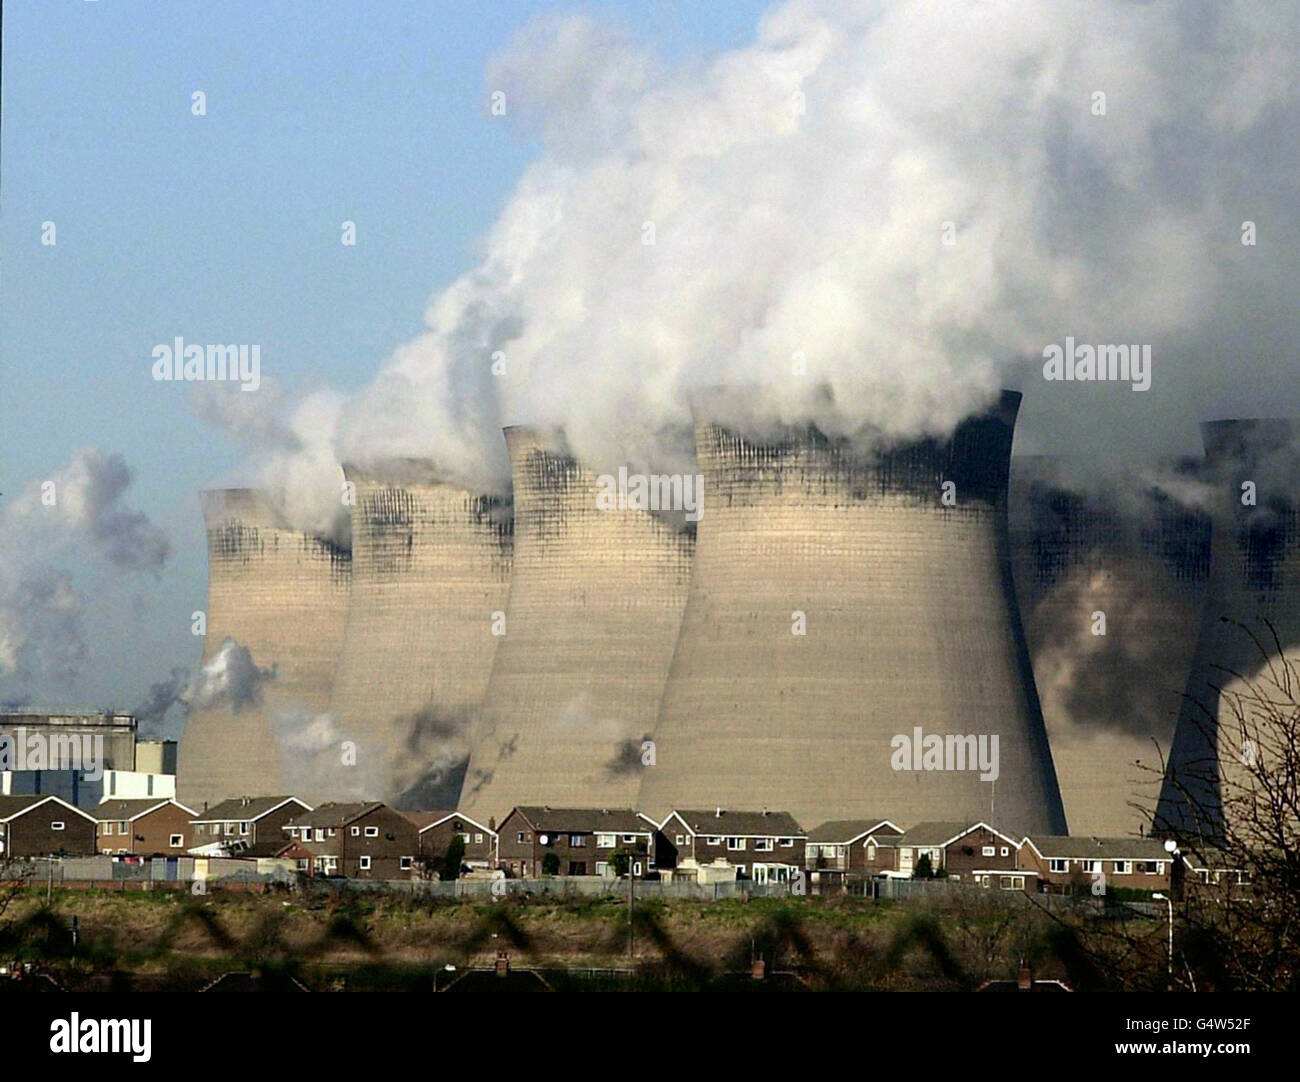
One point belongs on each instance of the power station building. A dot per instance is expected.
(1251, 617)
(845, 611)
(595, 602)
(282, 594)
(1110, 581)
(430, 574)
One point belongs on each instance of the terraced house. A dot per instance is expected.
(436, 829)
(145, 827)
(1066, 864)
(359, 841)
(764, 846)
(244, 826)
(838, 849)
(535, 841)
(42, 826)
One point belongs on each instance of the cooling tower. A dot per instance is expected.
(430, 570)
(910, 630)
(281, 594)
(1254, 468)
(1110, 582)
(595, 601)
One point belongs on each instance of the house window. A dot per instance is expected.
(735, 843)
(763, 845)
(604, 841)
(320, 834)
(602, 867)
(629, 838)
(405, 864)
(1153, 867)
(56, 825)
(356, 832)
(1091, 866)
(521, 837)
(243, 828)
(465, 838)
(121, 827)
(713, 840)
(681, 839)
(1121, 867)
(331, 832)
(578, 841)
(988, 851)
(1059, 864)
(1005, 851)
(176, 841)
(364, 863)
(787, 843)
(372, 832)
(478, 838)
(871, 851)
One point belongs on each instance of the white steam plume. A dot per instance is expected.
(797, 190)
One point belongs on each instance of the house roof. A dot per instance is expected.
(1065, 847)
(13, 806)
(748, 824)
(423, 820)
(244, 809)
(944, 832)
(586, 820)
(117, 810)
(334, 815)
(850, 830)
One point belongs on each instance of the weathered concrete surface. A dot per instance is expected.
(283, 595)
(430, 568)
(595, 602)
(910, 621)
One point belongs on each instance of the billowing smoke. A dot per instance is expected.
(868, 213)
(231, 679)
(61, 538)
(1114, 543)
(420, 763)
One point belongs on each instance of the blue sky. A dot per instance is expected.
(226, 228)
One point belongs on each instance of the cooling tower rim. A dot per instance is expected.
(399, 471)
(1005, 407)
(549, 439)
(249, 506)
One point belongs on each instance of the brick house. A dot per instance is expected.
(1072, 865)
(146, 827)
(584, 840)
(42, 826)
(763, 846)
(243, 826)
(957, 848)
(839, 848)
(359, 841)
(437, 828)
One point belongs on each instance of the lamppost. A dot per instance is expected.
(1170, 902)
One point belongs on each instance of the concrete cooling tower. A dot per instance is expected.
(430, 571)
(909, 633)
(595, 601)
(1110, 582)
(1254, 469)
(282, 595)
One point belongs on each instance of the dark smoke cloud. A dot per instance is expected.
(62, 538)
